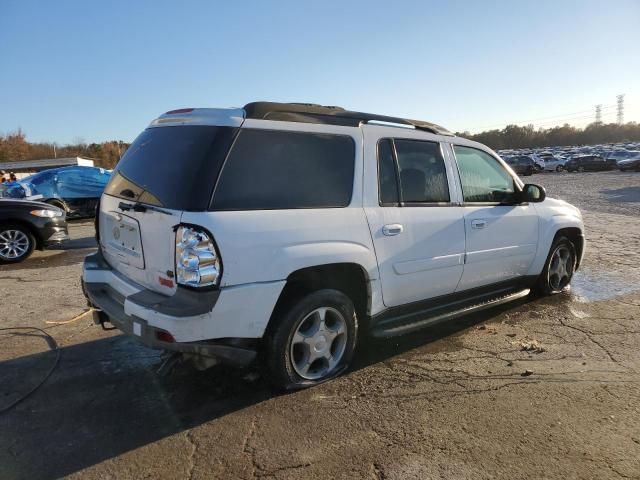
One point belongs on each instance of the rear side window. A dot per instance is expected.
(173, 167)
(387, 175)
(423, 176)
(274, 169)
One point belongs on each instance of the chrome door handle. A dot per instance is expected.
(478, 223)
(392, 229)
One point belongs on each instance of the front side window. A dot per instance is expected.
(273, 169)
(483, 178)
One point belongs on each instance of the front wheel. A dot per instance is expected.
(559, 268)
(314, 340)
(16, 243)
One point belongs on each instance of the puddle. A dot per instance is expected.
(589, 286)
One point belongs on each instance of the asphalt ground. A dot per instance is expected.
(454, 401)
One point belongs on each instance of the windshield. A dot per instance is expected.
(173, 167)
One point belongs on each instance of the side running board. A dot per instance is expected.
(413, 326)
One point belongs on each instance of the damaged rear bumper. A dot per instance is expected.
(109, 305)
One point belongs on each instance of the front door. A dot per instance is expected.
(501, 234)
(417, 230)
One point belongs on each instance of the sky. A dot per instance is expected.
(97, 71)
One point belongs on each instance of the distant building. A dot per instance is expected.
(27, 167)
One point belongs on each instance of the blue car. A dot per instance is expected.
(73, 189)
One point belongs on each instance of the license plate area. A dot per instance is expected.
(122, 238)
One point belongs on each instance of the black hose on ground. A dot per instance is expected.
(54, 346)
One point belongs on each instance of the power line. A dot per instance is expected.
(573, 119)
(536, 120)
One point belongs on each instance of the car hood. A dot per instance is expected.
(13, 202)
(560, 207)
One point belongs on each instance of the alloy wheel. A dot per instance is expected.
(560, 268)
(13, 244)
(318, 343)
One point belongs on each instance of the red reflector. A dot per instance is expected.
(165, 282)
(165, 337)
(180, 110)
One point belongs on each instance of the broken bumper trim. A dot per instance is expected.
(109, 305)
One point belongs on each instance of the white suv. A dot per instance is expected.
(282, 231)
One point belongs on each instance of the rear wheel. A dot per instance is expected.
(16, 243)
(314, 340)
(581, 169)
(559, 168)
(559, 268)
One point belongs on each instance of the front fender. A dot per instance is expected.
(549, 227)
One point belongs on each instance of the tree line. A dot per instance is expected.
(514, 136)
(15, 147)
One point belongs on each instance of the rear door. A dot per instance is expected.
(416, 224)
(501, 235)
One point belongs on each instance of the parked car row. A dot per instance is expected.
(625, 157)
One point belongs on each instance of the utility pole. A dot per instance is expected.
(599, 114)
(620, 109)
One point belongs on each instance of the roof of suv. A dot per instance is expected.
(312, 113)
(289, 112)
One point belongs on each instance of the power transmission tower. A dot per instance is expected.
(599, 114)
(620, 109)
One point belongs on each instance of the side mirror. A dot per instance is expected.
(533, 193)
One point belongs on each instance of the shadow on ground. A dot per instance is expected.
(105, 399)
(626, 194)
(67, 253)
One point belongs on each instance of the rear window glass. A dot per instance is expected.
(269, 169)
(172, 167)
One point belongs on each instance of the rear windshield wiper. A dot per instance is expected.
(141, 208)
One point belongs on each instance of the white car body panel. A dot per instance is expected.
(503, 248)
(426, 259)
(158, 244)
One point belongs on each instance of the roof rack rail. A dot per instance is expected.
(332, 115)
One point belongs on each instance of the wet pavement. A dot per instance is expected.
(458, 400)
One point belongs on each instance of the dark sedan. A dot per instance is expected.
(630, 164)
(522, 164)
(593, 163)
(27, 225)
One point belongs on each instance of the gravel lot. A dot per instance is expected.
(450, 402)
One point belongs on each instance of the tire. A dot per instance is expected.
(581, 169)
(56, 202)
(554, 280)
(16, 243)
(296, 336)
(559, 168)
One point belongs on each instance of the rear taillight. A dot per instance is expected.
(197, 260)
